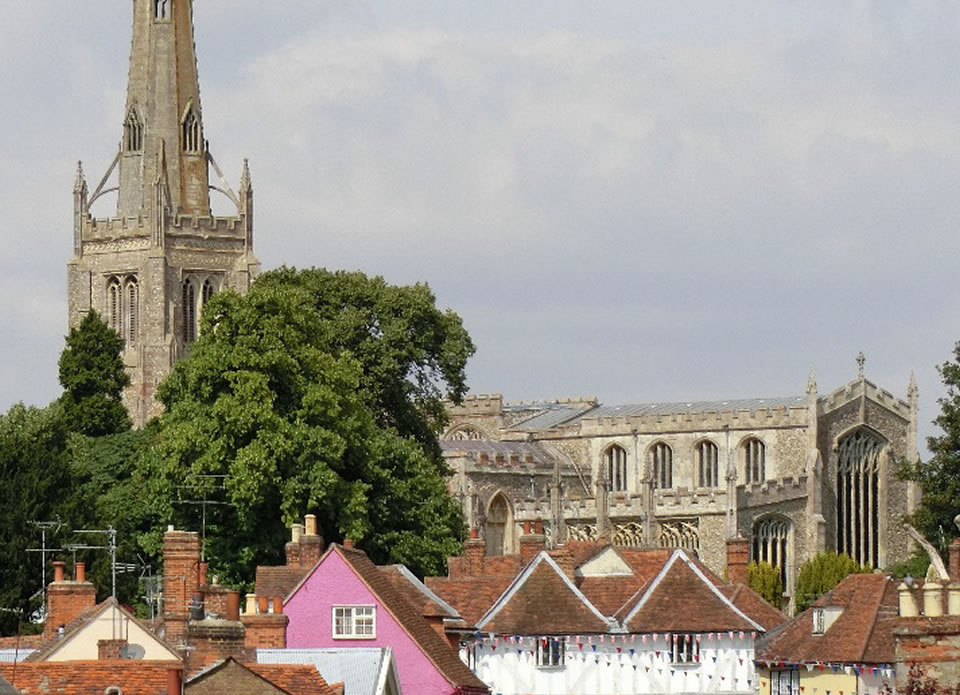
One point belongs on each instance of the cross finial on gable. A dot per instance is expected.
(861, 360)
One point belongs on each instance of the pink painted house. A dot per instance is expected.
(345, 600)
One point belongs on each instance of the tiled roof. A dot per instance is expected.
(862, 633)
(434, 647)
(21, 641)
(86, 677)
(359, 669)
(428, 603)
(610, 593)
(753, 604)
(682, 598)
(543, 600)
(279, 581)
(471, 596)
(296, 679)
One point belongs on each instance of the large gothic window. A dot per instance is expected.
(858, 483)
(754, 461)
(615, 468)
(661, 463)
(131, 319)
(133, 132)
(191, 136)
(115, 304)
(123, 308)
(708, 466)
(499, 525)
(189, 311)
(771, 539)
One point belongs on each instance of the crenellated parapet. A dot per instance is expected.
(860, 388)
(712, 420)
(772, 492)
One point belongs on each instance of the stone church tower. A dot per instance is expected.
(149, 269)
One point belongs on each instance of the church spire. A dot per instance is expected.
(163, 113)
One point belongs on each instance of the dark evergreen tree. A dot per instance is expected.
(939, 478)
(821, 573)
(93, 378)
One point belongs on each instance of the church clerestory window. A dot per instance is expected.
(615, 464)
(661, 460)
(192, 138)
(133, 132)
(754, 461)
(708, 467)
(771, 544)
(858, 488)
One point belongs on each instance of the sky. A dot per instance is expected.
(641, 201)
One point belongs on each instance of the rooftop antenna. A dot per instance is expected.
(220, 483)
(111, 546)
(44, 526)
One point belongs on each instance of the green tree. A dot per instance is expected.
(939, 477)
(315, 392)
(33, 469)
(93, 378)
(766, 580)
(821, 573)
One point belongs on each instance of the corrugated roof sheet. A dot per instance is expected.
(637, 409)
(358, 668)
(549, 418)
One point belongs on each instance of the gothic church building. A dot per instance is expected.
(795, 475)
(149, 269)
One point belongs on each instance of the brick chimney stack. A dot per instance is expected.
(265, 629)
(531, 543)
(66, 600)
(311, 544)
(181, 580)
(474, 552)
(738, 560)
(292, 547)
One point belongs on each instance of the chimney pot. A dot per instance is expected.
(296, 530)
(174, 681)
(527, 528)
(81, 571)
(474, 533)
(277, 605)
(263, 605)
(932, 599)
(348, 543)
(251, 607)
(233, 605)
(203, 573)
(310, 525)
(738, 560)
(58, 568)
(908, 602)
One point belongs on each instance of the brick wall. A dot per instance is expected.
(181, 580)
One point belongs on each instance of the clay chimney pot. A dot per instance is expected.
(58, 568)
(81, 571)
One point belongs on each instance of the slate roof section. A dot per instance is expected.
(862, 633)
(6, 688)
(86, 677)
(548, 419)
(272, 582)
(359, 669)
(434, 647)
(682, 408)
(683, 598)
(543, 600)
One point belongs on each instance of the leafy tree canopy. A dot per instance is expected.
(33, 469)
(315, 392)
(93, 378)
(821, 573)
(939, 478)
(766, 580)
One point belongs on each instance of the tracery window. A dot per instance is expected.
(771, 543)
(191, 136)
(123, 307)
(498, 526)
(858, 487)
(133, 132)
(754, 460)
(661, 460)
(160, 9)
(615, 465)
(708, 466)
(189, 311)
(114, 304)
(132, 312)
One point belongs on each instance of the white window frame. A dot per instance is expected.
(785, 682)
(684, 650)
(551, 655)
(819, 621)
(351, 613)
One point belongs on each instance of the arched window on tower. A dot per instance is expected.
(133, 132)
(499, 526)
(615, 468)
(661, 463)
(115, 305)
(708, 466)
(754, 461)
(131, 311)
(771, 543)
(858, 488)
(207, 292)
(160, 9)
(189, 311)
(191, 136)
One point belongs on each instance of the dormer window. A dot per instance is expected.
(819, 621)
(133, 132)
(191, 137)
